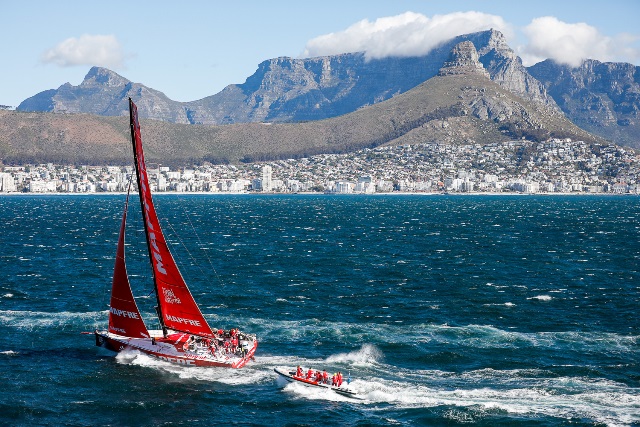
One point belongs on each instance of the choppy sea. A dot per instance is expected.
(443, 310)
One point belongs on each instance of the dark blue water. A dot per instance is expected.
(445, 310)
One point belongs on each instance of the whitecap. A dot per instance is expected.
(542, 298)
(368, 354)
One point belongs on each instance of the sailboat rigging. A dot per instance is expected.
(185, 336)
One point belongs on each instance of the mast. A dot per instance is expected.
(177, 309)
(135, 129)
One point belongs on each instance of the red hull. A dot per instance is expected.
(171, 350)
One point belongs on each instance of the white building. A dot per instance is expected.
(42, 186)
(162, 183)
(267, 171)
(7, 183)
(344, 187)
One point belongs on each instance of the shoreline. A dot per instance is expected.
(395, 193)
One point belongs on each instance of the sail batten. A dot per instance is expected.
(177, 308)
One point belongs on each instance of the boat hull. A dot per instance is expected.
(289, 376)
(171, 349)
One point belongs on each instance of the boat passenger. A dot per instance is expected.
(318, 376)
(339, 379)
(299, 372)
(310, 374)
(325, 377)
(334, 379)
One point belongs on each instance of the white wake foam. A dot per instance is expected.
(367, 355)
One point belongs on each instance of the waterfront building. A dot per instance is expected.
(267, 171)
(7, 183)
(344, 187)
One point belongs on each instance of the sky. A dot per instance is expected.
(190, 50)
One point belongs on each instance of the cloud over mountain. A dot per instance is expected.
(573, 43)
(407, 34)
(414, 34)
(100, 50)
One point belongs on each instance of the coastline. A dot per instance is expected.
(395, 193)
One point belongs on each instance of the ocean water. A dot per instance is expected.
(443, 310)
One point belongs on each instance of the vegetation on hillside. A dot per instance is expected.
(449, 109)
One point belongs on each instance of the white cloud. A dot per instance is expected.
(572, 43)
(408, 34)
(99, 50)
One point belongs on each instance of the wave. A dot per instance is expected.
(37, 320)
(471, 395)
(480, 393)
(469, 336)
(313, 330)
(367, 355)
(601, 403)
(541, 298)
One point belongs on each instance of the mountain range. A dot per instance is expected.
(471, 88)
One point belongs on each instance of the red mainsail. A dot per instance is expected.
(124, 316)
(177, 307)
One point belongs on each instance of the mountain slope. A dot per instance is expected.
(105, 93)
(603, 98)
(289, 90)
(459, 105)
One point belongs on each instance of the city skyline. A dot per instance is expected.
(554, 166)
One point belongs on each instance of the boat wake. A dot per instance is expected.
(598, 401)
(471, 395)
(367, 355)
(248, 375)
(460, 396)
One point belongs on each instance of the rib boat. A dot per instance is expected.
(291, 375)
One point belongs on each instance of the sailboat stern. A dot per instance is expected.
(103, 340)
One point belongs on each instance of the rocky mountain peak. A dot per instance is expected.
(464, 59)
(103, 77)
(495, 40)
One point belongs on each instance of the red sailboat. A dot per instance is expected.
(185, 338)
